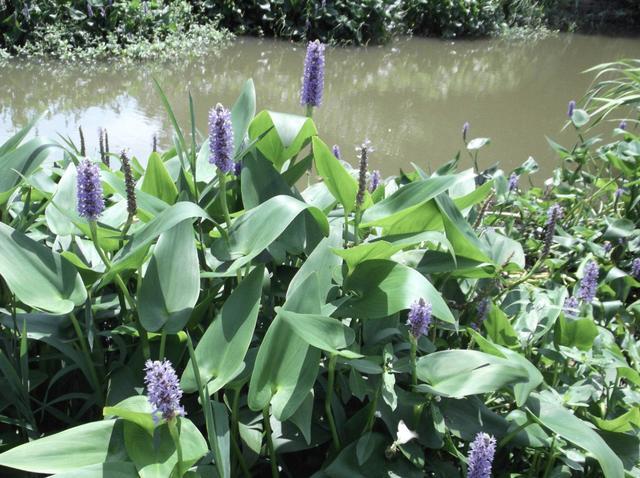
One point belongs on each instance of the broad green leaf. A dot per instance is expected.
(369, 251)
(288, 135)
(503, 250)
(580, 118)
(22, 162)
(38, 276)
(128, 256)
(561, 421)
(242, 112)
(89, 444)
(260, 181)
(534, 377)
(136, 409)
(158, 457)
(405, 200)
(340, 183)
(270, 219)
(459, 232)
(112, 469)
(171, 284)
(624, 423)
(322, 262)
(223, 436)
(383, 287)
(319, 331)
(578, 333)
(499, 328)
(459, 373)
(13, 142)
(286, 366)
(64, 199)
(222, 348)
(157, 181)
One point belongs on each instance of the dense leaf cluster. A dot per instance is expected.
(282, 304)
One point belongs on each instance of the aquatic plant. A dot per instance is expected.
(291, 327)
(313, 76)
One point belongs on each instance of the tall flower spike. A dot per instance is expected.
(163, 389)
(103, 152)
(106, 141)
(90, 199)
(221, 138)
(374, 180)
(313, 76)
(570, 306)
(130, 184)
(154, 144)
(554, 213)
(336, 151)
(635, 268)
(481, 455)
(364, 151)
(571, 108)
(513, 182)
(83, 148)
(419, 318)
(465, 131)
(589, 282)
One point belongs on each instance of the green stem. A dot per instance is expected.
(552, 457)
(269, 439)
(88, 358)
(346, 229)
(372, 412)
(222, 181)
(309, 111)
(235, 433)
(356, 226)
(327, 404)
(414, 376)
(175, 435)
(163, 345)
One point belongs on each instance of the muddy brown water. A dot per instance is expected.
(409, 98)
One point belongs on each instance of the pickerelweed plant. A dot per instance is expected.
(171, 317)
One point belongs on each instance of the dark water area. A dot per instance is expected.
(409, 98)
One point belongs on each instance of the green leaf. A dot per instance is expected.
(322, 332)
(478, 143)
(112, 469)
(21, 162)
(578, 333)
(288, 135)
(13, 142)
(242, 112)
(89, 444)
(222, 348)
(624, 423)
(129, 256)
(499, 328)
(580, 118)
(270, 219)
(459, 373)
(171, 284)
(406, 200)
(157, 457)
(38, 276)
(561, 421)
(136, 409)
(340, 183)
(286, 366)
(383, 287)
(157, 181)
(369, 251)
(64, 199)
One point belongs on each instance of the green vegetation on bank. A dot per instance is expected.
(160, 29)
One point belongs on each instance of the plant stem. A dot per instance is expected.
(163, 344)
(222, 181)
(552, 456)
(327, 404)
(269, 439)
(88, 358)
(414, 376)
(175, 434)
(309, 111)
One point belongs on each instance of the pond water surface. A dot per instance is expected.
(409, 98)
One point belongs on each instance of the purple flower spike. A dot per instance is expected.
(481, 455)
(513, 182)
(364, 151)
(618, 194)
(419, 318)
(635, 268)
(374, 180)
(570, 307)
(571, 108)
(336, 151)
(589, 282)
(465, 131)
(622, 125)
(607, 246)
(221, 139)
(554, 214)
(313, 77)
(237, 168)
(90, 199)
(163, 389)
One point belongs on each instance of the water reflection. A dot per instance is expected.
(410, 98)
